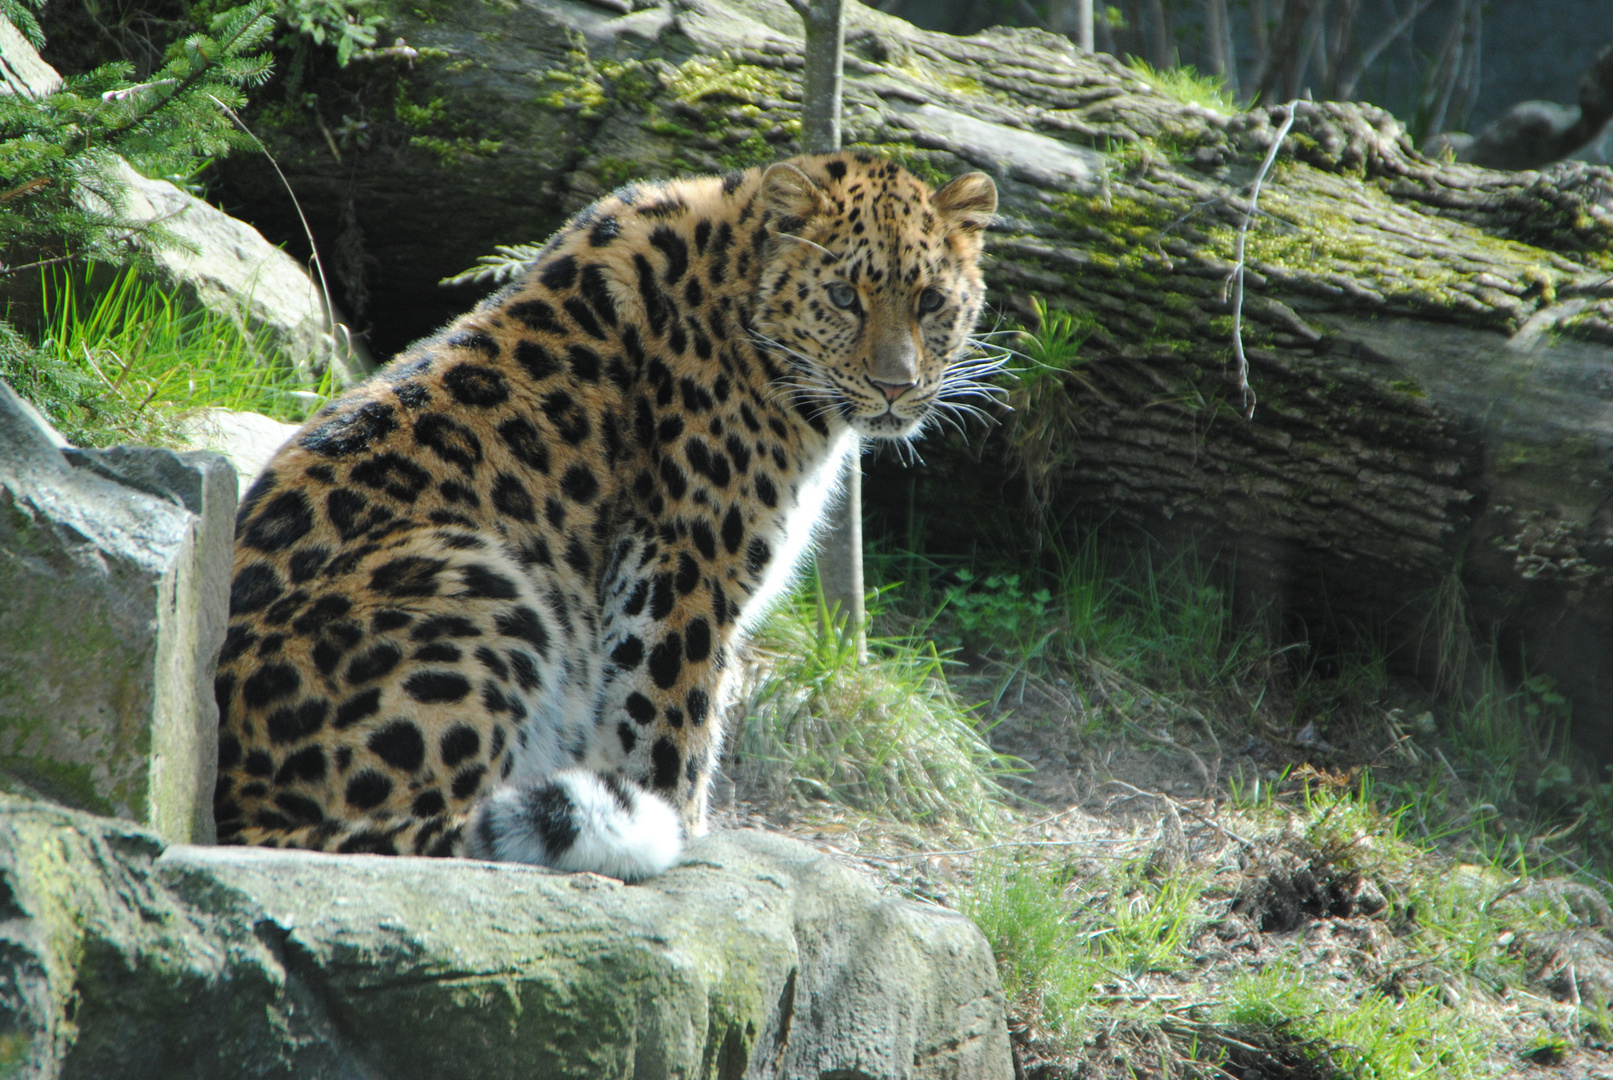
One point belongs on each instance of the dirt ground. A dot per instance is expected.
(1157, 796)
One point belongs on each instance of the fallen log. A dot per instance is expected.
(1428, 343)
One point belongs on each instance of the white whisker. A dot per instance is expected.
(968, 410)
(988, 394)
(809, 243)
(943, 417)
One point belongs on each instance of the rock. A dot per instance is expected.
(755, 957)
(228, 267)
(114, 574)
(248, 439)
(22, 71)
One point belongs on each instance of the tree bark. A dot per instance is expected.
(840, 546)
(1429, 342)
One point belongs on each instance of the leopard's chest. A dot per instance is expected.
(795, 527)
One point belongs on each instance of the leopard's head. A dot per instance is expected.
(870, 287)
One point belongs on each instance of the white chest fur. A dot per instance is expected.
(814, 493)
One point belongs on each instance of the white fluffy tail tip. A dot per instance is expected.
(578, 821)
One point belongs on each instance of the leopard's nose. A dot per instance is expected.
(892, 391)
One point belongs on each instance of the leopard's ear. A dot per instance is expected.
(967, 203)
(790, 193)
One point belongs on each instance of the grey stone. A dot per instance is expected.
(22, 71)
(248, 439)
(228, 267)
(756, 957)
(114, 584)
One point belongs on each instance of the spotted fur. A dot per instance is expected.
(484, 603)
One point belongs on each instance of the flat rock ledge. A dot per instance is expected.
(755, 957)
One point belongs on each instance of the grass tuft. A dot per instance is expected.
(121, 359)
(1021, 907)
(1188, 85)
(888, 737)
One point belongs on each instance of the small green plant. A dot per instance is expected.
(349, 25)
(1055, 345)
(995, 615)
(123, 360)
(1050, 394)
(888, 737)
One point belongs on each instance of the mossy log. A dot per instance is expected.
(1428, 342)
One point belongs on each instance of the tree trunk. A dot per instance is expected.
(840, 547)
(1429, 343)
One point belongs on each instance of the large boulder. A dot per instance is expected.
(114, 581)
(250, 440)
(755, 957)
(227, 266)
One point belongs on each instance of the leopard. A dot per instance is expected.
(486, 603)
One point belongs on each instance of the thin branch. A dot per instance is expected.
(332, 327)
(208, 63)
(1370, 54)
(1235, 278)
(36, 265)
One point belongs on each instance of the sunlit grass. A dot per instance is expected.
(1188, 85)
(1363, 1036)
(888, 737)
(120, 359)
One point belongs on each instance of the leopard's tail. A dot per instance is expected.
(576, 821)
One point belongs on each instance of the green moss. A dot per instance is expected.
(1510, 457)
(13, 1053)
(1409, 387)
(704, 78)
(60, 781)
(451, 152)
(750, 152)
(660, 126)
(613, 172)
(413, 115)
(921, 163)
(629, 83)
(575, 89)
(1312, 223)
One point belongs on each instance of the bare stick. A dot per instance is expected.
(1215, 37)
(331, 325)
(1235, 278)
(823, 66)
(1159, 47)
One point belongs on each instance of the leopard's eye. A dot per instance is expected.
(929, 300)
(842, 295)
